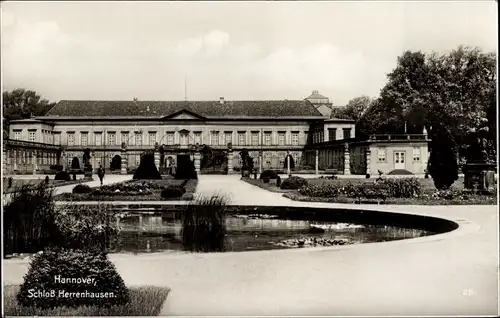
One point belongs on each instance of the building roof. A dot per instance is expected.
(316, 95)
(204, 109)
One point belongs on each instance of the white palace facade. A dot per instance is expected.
(268, 130)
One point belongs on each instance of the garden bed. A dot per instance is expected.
(144, 301)
(17, 183)
(132, 190)
(268, 186)
(337, 191)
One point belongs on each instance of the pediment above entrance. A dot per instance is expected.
(184, 115)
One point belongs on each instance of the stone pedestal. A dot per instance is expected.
(347, 160)
(157, 160)
(124, 162)
(368, 155)
(197, 157)
(316, 161)
(229, 162)
(479, 176)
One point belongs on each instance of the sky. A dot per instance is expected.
(236, 50)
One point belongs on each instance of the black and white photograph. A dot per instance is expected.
(249, 158)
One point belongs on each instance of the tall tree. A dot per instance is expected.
(21, 103)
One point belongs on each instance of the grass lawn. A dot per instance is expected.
(155, 196)
(17, 183)
(426, 199)
(144, 301)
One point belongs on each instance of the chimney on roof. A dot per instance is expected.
(315, 91)
(222, 100)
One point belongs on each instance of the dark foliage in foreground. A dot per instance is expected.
(443, 166)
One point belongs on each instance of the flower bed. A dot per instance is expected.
(135, 190)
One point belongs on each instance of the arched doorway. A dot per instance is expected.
(116, 163)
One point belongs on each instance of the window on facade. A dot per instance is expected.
(381, 154)
(197, 138)
(170, 138)
(57, 139)
(111, 139)
(85, 139)
(31, 136)
(214, 140)
(267, 138)
(125, 138)
(152, 139)
(416, 154)
(295, 138)
(138, 139)
(267, 159)
(17, 135)
(321, 136)
(98, 139)
(184, 139)
(347, 133)
(332, 134)
(241, 139)
(71, 139)
(281, 138)
(228, 137)
(255, 139)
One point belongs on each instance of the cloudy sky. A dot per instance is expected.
(239, 50)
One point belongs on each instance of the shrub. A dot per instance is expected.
(400, 172)
(404, 187)
(293, 183)
(56, 167)
(62, 175)
(266, 180)
(443, 165)
(75, 163)
(270, 174)
(47, 180)
(367, 176)
(172, 191)
(204, 224)
(147, 168)
(10, 182)
(29, 220)
(321, 191)
(51, 263)
(186, 171)
(82, 188)
(74, 176)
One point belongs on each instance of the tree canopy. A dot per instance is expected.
(454, 90)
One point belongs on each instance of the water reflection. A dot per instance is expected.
(152, 233)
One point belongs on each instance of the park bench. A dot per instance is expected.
(372, 191)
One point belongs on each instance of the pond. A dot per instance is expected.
(247, 229)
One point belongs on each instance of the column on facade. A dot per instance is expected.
(4, 159)
(157, 159)
(230, 161)
(124, 162)
(288, 163)
(368, 161)
(35, 161)
(347, 159)
(93, 160)
(316, 165)
(15, 158)
(261, 154)
(197, 157)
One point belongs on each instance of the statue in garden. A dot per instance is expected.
(480, 149)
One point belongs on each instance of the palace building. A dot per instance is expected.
(268, 130)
